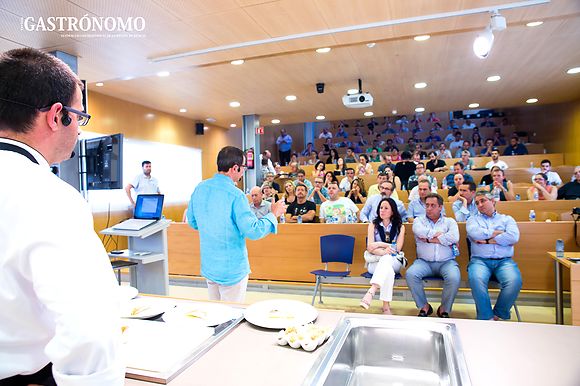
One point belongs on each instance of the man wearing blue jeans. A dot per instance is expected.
(492, 236)
(435, 236)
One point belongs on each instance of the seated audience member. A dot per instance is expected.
(318, 170)
(398, 140)
(421, 171)
(486, 151)
(435, 236)
(541, 190)
(385, 237)
(487, 179)
(395, 180)
(468, 124)
(476, 140)
(325, 134)
(495, 161)
(449, 137)
(414, 192)
(571, 190)
(433, 118)
(443, 153)
(289, 193)
(313, 158)
(411, 145)
(435, 164)
(270, 179)
(318, 194)
(374, 189)
(350, 156)
(492, 236)
(553, 177)
(375, 156)
(347, 181)
(308, 150)
(268, 193)
(458, 168)
(333, 157)
(416, 157)
(327, 147)
(395, 155)
(498, 138)
(294, 158)
(301, 206)
(368, 212)
(405, 169)
(341, 133)
(515, 147)
(464, 206)
(457, 141)
(465, 160)
(466, 146)
(293, 170)
(388, 128)
(387, 163)
(505, 187)
(389, 146)
(259, 206)
(338, 210)
(453, 125)
(416, 207)
(422, 153)
(356, 194)
(340, 168)
(301, 178)
(364, 167)
(487, 122)
(328, 178)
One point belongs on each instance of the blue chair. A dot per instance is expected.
(333, 249)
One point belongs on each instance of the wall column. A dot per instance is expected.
(251, 140)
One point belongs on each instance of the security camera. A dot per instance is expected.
(320, 88)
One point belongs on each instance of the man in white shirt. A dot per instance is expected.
(325, 134)
(468, 124)
(347, 181)
(495, 161)
(143, 183)
(337, 210)
(258, 206)
(266, 154)
(457, 142)
(553, 177)
(59, 296)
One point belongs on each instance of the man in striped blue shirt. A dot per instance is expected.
(492, 237)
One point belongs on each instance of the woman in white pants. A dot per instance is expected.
(387, 234)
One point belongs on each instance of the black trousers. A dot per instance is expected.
(284, 157)
(42, 377)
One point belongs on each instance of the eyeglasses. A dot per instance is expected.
(82, 117)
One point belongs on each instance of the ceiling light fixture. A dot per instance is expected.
(534, 23)
(275, 121)
(493, 78)
(237, 62)
(532, 100)
(473, 105)
(183, 110)
(419, 109)
(163, 74)
(484, 41)
(368, 114)
(371, 45)
(211, 120)
(394, 112)
(323, 50)
(320, 117)
(99, 84)
(420, 85)
(573, 70)
(422, 38)
(233, 125)
(205, 128)
(234, 104)
(290, 98)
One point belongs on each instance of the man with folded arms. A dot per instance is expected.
(435, 236)
(301, 206)
(369, 211)
(492, 237)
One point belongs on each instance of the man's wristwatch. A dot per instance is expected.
(487, 241)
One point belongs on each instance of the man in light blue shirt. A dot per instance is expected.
(416, 207)
(318, 194)
(492, 237)
(369, 212)
(464, 207)
(435, 236)
(221, 213)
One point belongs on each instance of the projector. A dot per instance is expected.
(358, 101)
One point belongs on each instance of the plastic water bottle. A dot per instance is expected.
(518, 197)
(532, 165)
(536, 195)
(532, 215)
(394, 248)
(455, 250)
(560, 249)
(496, 194)
(299, 219)
(282, 219)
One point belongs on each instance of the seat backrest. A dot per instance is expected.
(336, 248)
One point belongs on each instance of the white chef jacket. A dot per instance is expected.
(58, 294)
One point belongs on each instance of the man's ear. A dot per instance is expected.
(52, 116)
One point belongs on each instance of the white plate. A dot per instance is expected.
(280, 313)
(126, 293)
(141, 309)
(201, 314)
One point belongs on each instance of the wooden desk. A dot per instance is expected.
(574, 286)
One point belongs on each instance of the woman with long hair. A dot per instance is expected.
(328, 178)
(333, 157)
(476, 140)
(318, 169)
(340, 167)
(385, 238)
(364, 167)
(289, 192)
(396, 181)
(356, 192)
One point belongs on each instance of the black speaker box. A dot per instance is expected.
(199, 129)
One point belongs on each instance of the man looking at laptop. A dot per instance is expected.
(221, 213)
(143, 183)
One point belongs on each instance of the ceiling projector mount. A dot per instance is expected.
(359, 100)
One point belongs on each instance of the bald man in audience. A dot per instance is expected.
(259, 207)
(374, 189)
(571, 190)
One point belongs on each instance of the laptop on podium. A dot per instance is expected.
(148, 210)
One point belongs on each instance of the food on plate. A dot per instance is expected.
(308, 336)
(137, 310)
(277, 314)
(198, 314)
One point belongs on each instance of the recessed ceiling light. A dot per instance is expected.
(320, 117)
(368, 114)
(182, 110)
(205, 128)
(532, 100)
(493, 78)
(150, 116)
(419, 109)
(420, 85)
(422, 38)
(473, 105)
(394, 112)
(352, 91)
(290, 98)
(323, 50)
(237, 62)
(233, 125)
(163, 73)
(99, 84)
(534, 23)
(210, 119)
(573, 70)
(371, 45)
(275, 121)
(234, 104)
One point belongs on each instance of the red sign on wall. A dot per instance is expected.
(260, 130)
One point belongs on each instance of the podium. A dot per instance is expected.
(147, 248)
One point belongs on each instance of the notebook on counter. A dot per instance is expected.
(148, 210)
